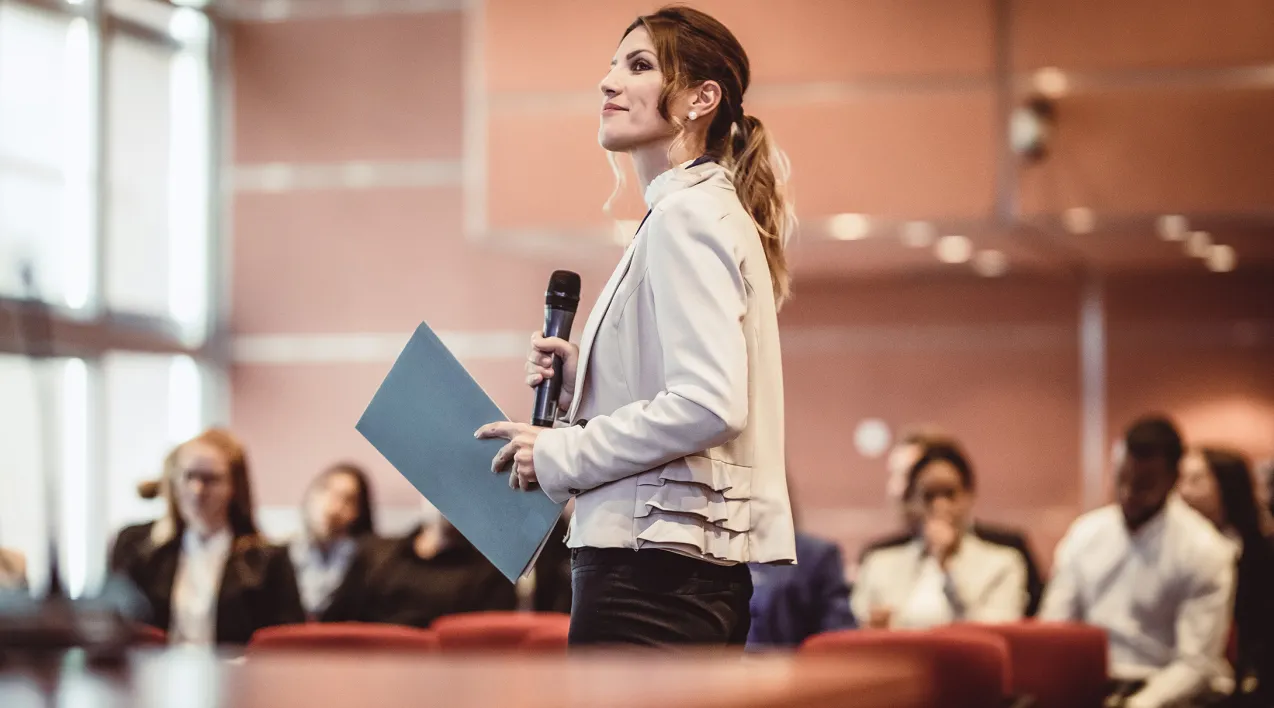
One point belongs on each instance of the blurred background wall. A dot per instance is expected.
(373, 164)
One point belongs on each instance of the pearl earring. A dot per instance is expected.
(693, 115)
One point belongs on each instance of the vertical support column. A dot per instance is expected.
(1092, 367)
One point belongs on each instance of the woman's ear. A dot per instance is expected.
(705, 99)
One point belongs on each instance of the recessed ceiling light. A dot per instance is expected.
(849, 227)
(918, 234)
(1079, 220)
(1051, 82)
(991, 263)
(1221, 258)
(1173, 227)
(1199, 244)
(954, 249)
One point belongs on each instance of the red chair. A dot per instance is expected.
(1059, 665)
(344, 636)
(965, 670)
(145, 635)
(550, 640)
(485, 631)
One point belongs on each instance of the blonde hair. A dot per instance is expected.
(693, 47)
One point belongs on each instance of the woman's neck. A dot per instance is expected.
(654, 159)
(207, 529)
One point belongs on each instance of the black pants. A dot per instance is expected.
(656, 598)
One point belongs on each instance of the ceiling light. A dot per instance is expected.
(1173, 227)
(1079, 220)
(1199, 244)
(954, 249)
(1051, 82)
(849, 227)
(918, 234)
(991, 263)
(1221, 258)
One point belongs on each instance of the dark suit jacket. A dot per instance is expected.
(403, 588)
(791, 603)
(258, 589)
(348, 597)
(130, 543)
(998, 535)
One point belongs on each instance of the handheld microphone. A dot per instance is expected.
(560, 303)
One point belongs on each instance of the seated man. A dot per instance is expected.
(1153, 573)
(431, 572)
(792, 603)
(909, 450)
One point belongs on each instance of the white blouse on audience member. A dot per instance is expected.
(197, 587)
(983, 582)
(1162, 593)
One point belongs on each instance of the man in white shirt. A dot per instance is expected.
(1153, 573)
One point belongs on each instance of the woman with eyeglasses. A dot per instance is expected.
(216, 580)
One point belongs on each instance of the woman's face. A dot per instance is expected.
(333, 506)
(202, 485)
(1198, 488)
(940, 494)
(631, 89)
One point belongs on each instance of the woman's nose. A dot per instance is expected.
(608, 85)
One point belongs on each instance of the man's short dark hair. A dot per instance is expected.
(1155, 437)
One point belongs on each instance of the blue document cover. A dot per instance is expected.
(422, 420)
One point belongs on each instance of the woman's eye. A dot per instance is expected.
(641, 65)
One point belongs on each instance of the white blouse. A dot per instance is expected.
(197, 586)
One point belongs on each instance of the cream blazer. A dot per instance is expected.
(675, 435)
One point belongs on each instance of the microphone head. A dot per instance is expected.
(563, 290)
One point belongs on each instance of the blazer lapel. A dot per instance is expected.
(595, 320)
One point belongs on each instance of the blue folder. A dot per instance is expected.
(422, 420)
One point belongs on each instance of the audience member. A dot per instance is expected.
(791, 603)
(431, 572)
(215, 580)
(944, 573)
(1219, 484)
(553, 573)
(331, 553)
(1153, 573)
(902, 459)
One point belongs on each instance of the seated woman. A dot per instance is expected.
(1219, 484)
(330, 555)
(215, 580)
(945, 573)
(431, 572)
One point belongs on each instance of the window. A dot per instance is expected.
(159, 144)
(46, 153)
(153, 402)
(81, 431)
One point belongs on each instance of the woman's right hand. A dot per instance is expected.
(539, 365)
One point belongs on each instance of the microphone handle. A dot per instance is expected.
(557, 323)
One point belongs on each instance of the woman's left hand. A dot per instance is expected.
(520, 451)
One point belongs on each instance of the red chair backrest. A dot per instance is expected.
(547, 640)
(964, 670)
(344, 636)
(1060, 665)
(146, 635)
(484, 631)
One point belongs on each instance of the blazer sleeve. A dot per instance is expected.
(700, 298)
(832, 593)
(283, 595)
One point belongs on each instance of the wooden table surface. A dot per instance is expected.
(189, 679)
